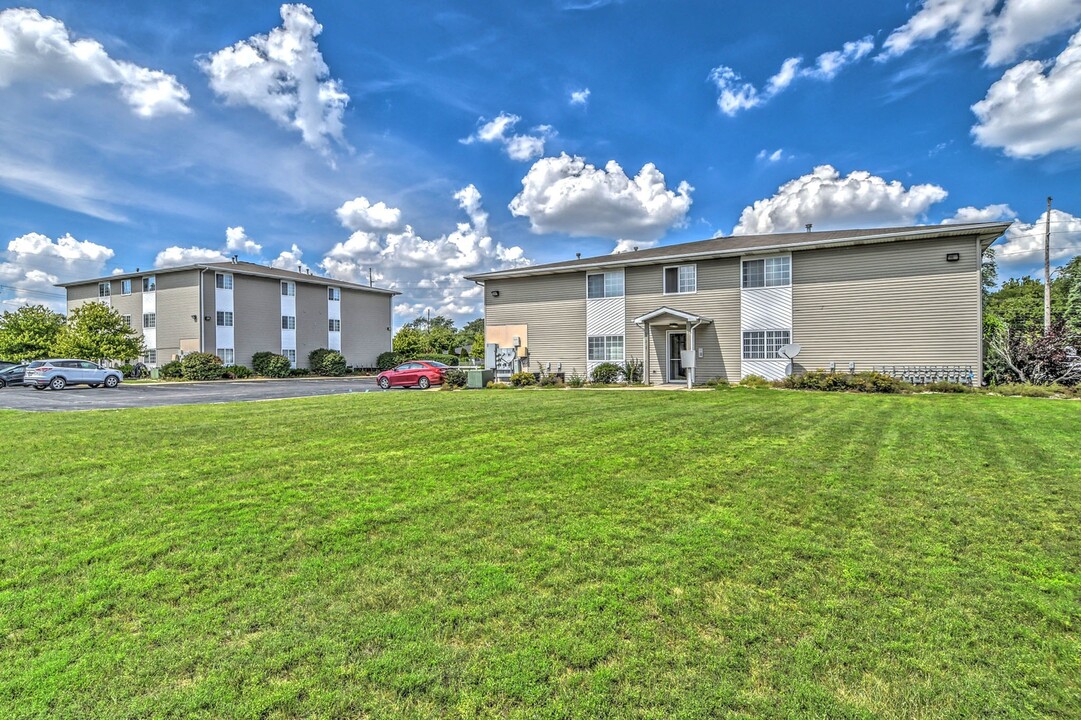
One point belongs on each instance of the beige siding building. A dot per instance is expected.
(236, 309)
(906, 298)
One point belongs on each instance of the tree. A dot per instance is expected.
(95, 331)
(411, 342)
(472, 336)
(988, 271)
(29, 333)
(426, 336)
(1073, 308)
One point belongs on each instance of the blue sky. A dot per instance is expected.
(430, 139)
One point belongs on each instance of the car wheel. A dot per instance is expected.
(384, 383)
(111, 382)
(58, 383)
(3, 384)
(424, 383)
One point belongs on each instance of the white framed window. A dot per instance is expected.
(150, 283)
(291, 354)
(151, 357)
(605, 347)
(767, 272)
(289, 322)
(225, 318)
(335, 325)
(105, 289)
(334, 294)
(226, 355)
(223, 281)
(126, 319)
(150, 320)
(602, 285)
(125, 287)
(764, 344)
(680, 279)
(289, 288)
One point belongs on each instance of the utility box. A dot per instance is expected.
(490, 350)
(478, 379)
(687, 359)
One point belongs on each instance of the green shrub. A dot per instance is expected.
(127, 370)
(315, 359)
(718, 383)
(454, 379)
(755, 381)
(875, 382)
(260, 362)
(946, 387)
(299, 372)
(275, 366)
(868, 382)
(332, 364)
(523, 379)
(451, 360)
(497, 385)
(551, 380)
(388, 360)
(605, 374)
(576, 380)
(170, 370)
(201, 366)
(632, 371)
(236, 372)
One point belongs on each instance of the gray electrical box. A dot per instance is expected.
(686, 358)
(490, 349)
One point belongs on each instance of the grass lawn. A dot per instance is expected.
(737, 553)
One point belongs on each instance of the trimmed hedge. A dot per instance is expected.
(201, 366)
(332, 365)
(606, 374)
(170, 370)
(387, 360)
(868, 382)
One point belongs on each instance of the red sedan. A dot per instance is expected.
(422, 373)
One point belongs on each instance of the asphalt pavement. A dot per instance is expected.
(135, 395)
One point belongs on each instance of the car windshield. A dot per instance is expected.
(437, 364)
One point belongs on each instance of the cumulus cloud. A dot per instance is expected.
(289, 260)
(175, 255)
(1023, 246)
(517, 146)
(34, 263)
(828, 200)
(283, 74)
(429, 271)
(236, 240)
(580, 97)
(770, 157)
(39, 50)
(988, 213)
(1032, 109)
(359, 214)
(568, 195)
(1009, 27)
(735, 94)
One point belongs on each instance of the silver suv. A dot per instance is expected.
(58, 374)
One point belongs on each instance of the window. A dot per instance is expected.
(150, 320)
(126, 319)
(151, 357)
(225, 318)
(223, 281)
(605, 347)
(602, 285)
(149, 283)
(105, 289)
(767, 272)
(334, 294)
(125, 287)
(289, 322)
(763, 344)
(289, 289)
(335, 325)
(680, 279)
(291, 354)
(226, 355)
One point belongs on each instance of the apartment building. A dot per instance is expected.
(236, 309)
(850, 299)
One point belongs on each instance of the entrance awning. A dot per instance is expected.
(678, 314)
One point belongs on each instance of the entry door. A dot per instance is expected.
(677, 343)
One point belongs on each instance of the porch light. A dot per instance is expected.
(495, 293)
(953, 257)
(673, 325)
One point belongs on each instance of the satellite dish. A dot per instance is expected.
(789, 351)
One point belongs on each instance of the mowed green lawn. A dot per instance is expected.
(544, 554)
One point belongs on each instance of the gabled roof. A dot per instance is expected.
(665, 310)
(750, 244)
(241, 268)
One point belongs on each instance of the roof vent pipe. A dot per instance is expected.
(299, 267)
(809, 226)
(578, 256)
(236, 259)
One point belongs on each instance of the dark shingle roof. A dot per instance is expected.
(740, 244)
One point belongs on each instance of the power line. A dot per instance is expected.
(29, 291)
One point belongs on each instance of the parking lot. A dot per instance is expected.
(134, 395)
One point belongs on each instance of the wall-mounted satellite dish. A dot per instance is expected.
(789, 351)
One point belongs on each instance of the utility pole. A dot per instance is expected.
(369, 277)
(1047, 269)
(429, 321)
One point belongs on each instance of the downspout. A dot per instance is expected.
(644, 327)
(202, 343)
(694, 349)
(977, 379)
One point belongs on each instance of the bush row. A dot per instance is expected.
(389, 360)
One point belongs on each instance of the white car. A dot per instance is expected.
(58, 374)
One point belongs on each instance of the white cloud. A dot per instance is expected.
(359, 214)
(39, 50)
(33, 263)
(1017, 25)
(580, 97)
(565, 194)
(289, 259)
(175, 255)
(283, 74)
(1023, 246)
(429, 272)
(236, 240)
(828, 200)
(735, 94)
(988, 213)
(770, 157)
(1032, 109)
(517, 147)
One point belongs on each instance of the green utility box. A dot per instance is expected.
(477, 379)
